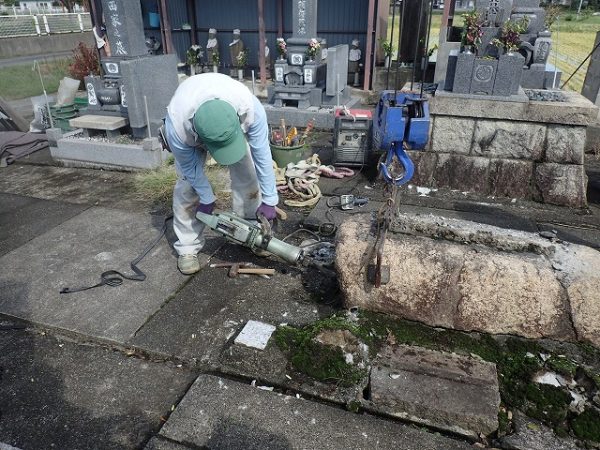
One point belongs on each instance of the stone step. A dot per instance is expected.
(447, 391)
(219, 413)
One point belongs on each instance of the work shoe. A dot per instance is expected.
(188, 264)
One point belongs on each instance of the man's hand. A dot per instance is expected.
(206, 209)
(267, 211)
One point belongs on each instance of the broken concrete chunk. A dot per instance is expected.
(447, 391)
(255, 335)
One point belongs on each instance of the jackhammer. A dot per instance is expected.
(260, 239)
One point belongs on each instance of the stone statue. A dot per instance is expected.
(354, 56)
(267, 59)
(212, 49)
(235, 48)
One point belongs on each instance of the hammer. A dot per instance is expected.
(236, 268)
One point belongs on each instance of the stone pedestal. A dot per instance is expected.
(520, 149)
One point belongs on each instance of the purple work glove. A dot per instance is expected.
(267, 211)
(206, 209)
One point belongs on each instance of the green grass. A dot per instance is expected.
(573, 41)
(21, 81)
(157, 185)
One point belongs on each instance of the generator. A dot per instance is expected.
(352, 137)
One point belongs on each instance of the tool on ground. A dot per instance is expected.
(258, 239)
(244, 268)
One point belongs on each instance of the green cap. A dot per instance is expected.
(218, 126)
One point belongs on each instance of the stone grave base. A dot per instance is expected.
(512, 147)
(463, 275)
(98, 153)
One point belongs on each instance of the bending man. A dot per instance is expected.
(213, 113)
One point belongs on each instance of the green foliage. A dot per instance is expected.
(387, 47)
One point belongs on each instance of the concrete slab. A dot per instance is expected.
(158, 443)
(75, 253)
(203, 318)
(97, 122)
(443, 390)
(79, 186)
(218, 413)
(23, 218)
(59, 394)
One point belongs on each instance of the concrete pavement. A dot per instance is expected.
(109, 366)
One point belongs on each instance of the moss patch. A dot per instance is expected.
(321, 362)
(587, 425)
(563, 366)
(517, 361)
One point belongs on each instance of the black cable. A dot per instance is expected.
(114, 277)
(582, 63)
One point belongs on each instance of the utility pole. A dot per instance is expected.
(579, 9)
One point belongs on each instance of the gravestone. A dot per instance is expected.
(337, 69)
(494, 12)
(591, 85)
(124, 27)
(132, 78)
(508, 76)
(463, 73)
(304, 21)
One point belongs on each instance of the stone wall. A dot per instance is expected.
(41, 45)
(524, 149)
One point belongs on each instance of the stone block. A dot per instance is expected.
(575, 110)
(447, 391)
(98, 122)
(562, 184)
(506, 139)
(337, 69)
(219, 413)
(124, 27)
(464, 73)
(591, 84)
(425, 163)
(466, 287)
(565, 144)
(484, 74)
(446, 55)
(465, 173)
(98, 154)
(452, 135)
(552, 77)
(508, 78)
(511, 178)
(143, 86)
(53, 135)
(533, 78)
(448, 82)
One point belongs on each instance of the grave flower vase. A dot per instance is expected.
(215, 68)
(240, 73)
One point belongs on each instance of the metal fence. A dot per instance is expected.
(41, 24)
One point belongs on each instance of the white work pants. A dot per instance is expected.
(245, 196)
